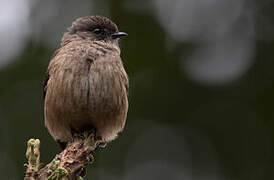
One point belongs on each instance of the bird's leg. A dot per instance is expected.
(89, 132)
(76, 135)
(83, 133)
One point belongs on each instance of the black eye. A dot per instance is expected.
(97, 31)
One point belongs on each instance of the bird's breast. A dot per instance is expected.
(92, 89)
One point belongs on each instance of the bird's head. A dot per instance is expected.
(96, 28)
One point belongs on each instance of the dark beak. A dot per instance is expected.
(118, 35)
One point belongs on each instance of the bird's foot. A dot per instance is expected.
(93, 142)
(90, 138)
(83, 135)
(90, 132)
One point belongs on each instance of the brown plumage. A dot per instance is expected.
(86, 85)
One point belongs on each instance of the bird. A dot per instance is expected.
(86, 86)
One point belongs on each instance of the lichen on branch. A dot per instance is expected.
(70, 164)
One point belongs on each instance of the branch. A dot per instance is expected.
(33, 156)
(70, 164)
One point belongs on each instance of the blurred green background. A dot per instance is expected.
(201, 86)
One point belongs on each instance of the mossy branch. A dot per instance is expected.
(70, 164)
(33, 156)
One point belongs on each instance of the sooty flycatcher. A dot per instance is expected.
(86, 85)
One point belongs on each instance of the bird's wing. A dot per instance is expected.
(46, 76)
(127, 85)
(45, 82)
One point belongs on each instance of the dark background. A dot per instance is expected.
(201, 86)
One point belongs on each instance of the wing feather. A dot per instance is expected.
(47, 76)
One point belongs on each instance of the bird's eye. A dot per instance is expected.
(97, 31)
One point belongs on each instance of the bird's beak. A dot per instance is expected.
(118, 35)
